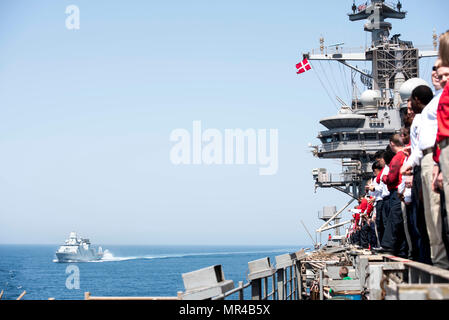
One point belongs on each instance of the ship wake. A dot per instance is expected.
(110, 257)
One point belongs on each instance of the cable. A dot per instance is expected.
(327, 77)
(324, 87)
(345, 80)
(333, 78)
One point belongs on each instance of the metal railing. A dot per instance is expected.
(286, 284)
(420, 273)
(240, 290)
(351, 145)
(382, 276)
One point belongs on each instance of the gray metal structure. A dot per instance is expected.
(364, 127)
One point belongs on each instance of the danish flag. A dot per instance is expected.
(303, 66)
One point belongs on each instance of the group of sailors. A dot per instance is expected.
(404, 209)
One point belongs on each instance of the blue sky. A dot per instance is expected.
(85, 116)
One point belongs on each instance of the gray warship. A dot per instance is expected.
(78, 250)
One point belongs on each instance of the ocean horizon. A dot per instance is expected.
(125, 270)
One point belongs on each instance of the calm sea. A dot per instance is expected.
(125, 271)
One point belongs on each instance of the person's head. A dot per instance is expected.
(377, 168)
(420, 97)
(443, 51)
(443, 75)
(344, 272)
(408, 118)
(405, 135)
(406, 89)
(388, 155)
(435, 80)
(410, 112)
(379, 157)
(396, 143)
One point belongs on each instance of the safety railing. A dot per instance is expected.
(285, 282)
(375, 277)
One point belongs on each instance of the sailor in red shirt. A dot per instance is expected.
(394, 178)
(356, 226)
(441, 152)
(442, 139)
(363, 204)
(443, 109)
(367, 209)
(394, 240)
(359, 209)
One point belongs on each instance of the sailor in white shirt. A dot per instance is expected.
(405, 189)
(428, 132)
(420, 97)
(383, 210)
(424, 158)
(429, 126)
(415, 154)
(375, 190)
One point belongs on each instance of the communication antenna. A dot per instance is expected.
(314, 242)
(336, 45)
(435, 38)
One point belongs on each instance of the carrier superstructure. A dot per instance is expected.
(365, 126)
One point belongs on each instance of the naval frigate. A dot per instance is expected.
(77, 249)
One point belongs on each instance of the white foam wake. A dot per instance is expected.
(109, 256)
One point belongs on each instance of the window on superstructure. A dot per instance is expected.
(370, 136)
(385, 135)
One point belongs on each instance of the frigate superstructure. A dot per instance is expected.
(366, 124)
(77, 249)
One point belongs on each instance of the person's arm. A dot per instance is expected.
(393, 175)
(437, 179)
(369, 209)
(408, 181)
(379, 176)
(436, 153)
(376, 184)
(406, 169)
(411, 162)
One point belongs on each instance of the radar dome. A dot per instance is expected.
(369, 97)
(408, 86)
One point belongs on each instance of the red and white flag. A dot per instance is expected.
(303, 66)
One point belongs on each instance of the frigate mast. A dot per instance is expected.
(359, 130)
